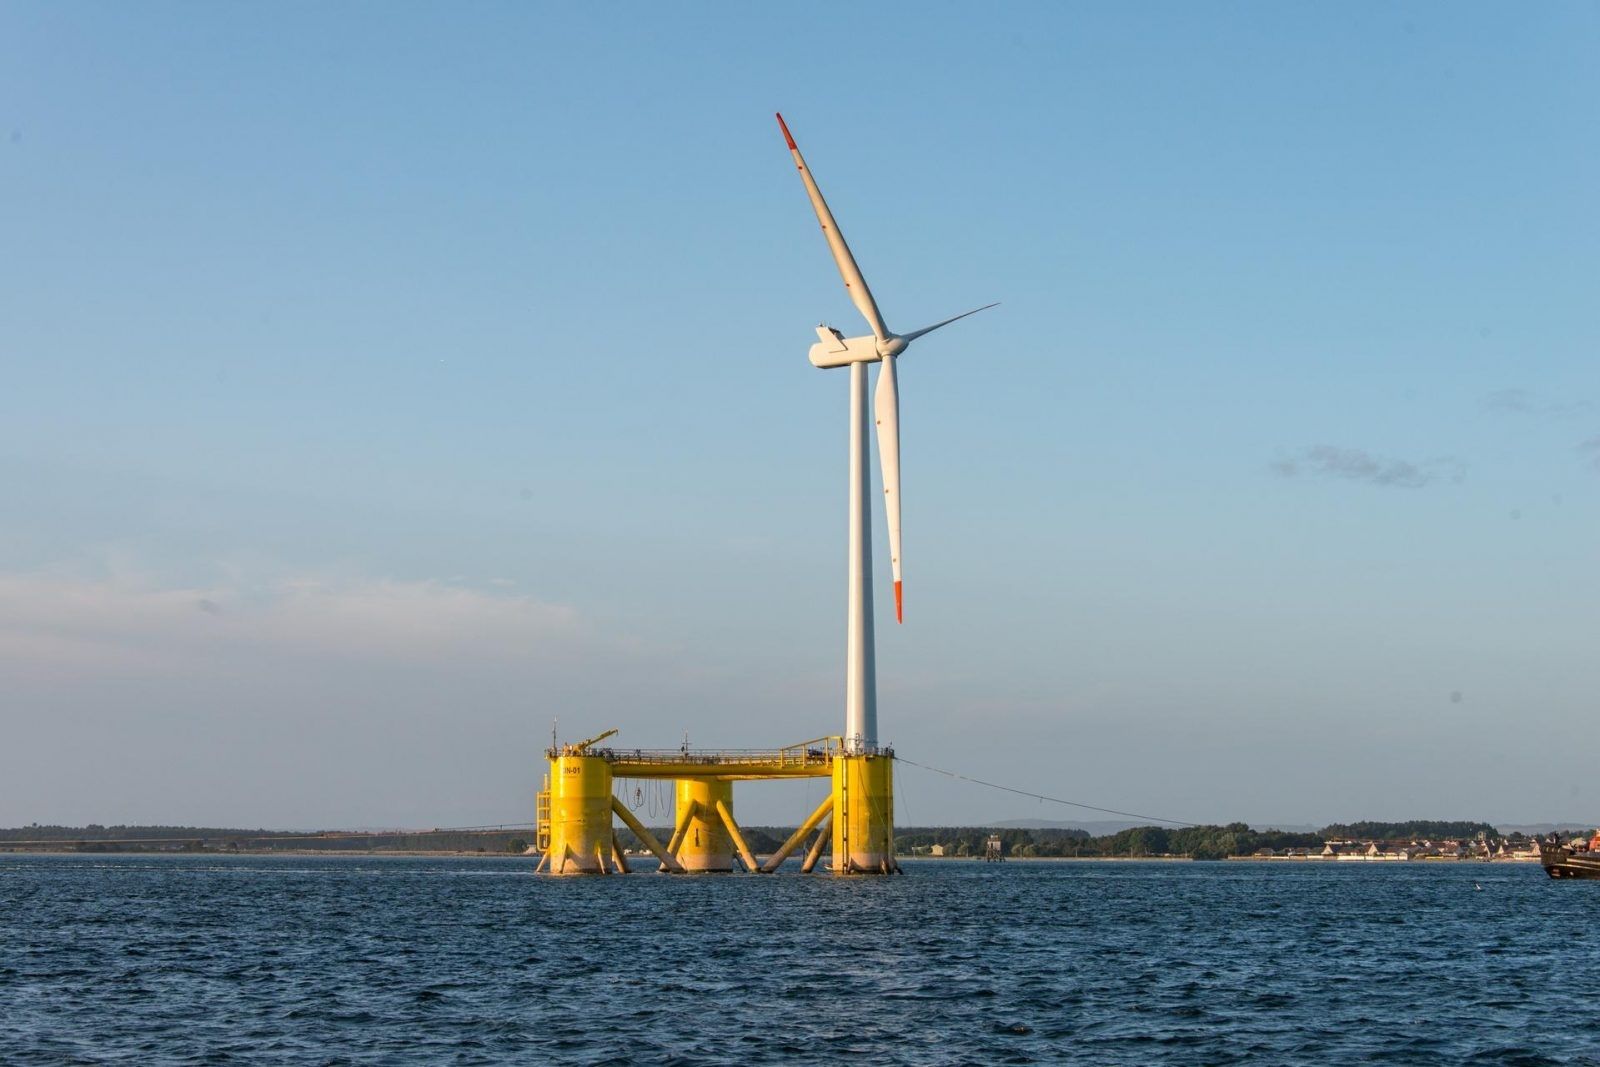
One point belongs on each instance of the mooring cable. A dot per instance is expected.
(1040, 796)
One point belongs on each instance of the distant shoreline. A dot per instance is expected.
(351, 854)
(294, 852)
(1369, 842)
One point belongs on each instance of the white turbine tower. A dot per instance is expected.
(836, 350)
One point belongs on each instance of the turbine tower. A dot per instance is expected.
(834, 349)
(574, 827)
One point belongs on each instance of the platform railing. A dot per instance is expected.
(818, 750)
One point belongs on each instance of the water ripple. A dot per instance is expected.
(209, 960)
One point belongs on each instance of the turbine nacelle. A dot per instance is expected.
(883, 346)
(836, 350)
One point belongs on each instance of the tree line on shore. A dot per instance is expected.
(1198, 842)
(122, 838)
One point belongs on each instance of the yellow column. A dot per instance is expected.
(863, 815)
(580, 814)
(706, 845)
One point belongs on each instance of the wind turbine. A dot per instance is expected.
(834, 349)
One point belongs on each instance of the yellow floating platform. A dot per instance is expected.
(575, 810)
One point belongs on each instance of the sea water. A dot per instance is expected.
(295, 960)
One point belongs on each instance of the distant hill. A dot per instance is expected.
(1538, 829)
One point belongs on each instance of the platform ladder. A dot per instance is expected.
(541, 817)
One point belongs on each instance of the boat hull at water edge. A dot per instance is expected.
(1562, 861)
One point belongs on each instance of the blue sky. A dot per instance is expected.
(384, 381)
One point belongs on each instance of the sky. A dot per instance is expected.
(384, 383)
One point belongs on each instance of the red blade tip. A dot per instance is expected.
(899, 605)
(786, 135)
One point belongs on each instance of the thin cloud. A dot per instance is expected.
(1522, 402)
(308, 699)
(1358, 465)
(1590, 450)
(52, 623)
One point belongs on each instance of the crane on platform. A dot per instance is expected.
(582, 746)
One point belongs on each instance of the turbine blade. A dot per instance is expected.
(886, 412)
(854, 283)
(914, 334)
